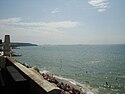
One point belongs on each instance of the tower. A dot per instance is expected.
(7, 49)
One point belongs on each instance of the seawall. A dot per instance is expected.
(32, 81)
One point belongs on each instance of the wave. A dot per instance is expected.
(84, 88)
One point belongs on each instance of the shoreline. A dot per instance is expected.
(84, 89)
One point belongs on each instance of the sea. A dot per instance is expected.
(99, 68)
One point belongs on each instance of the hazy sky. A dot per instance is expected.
(63, 21)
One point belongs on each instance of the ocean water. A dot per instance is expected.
(100, 67)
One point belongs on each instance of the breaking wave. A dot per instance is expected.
(84, 88)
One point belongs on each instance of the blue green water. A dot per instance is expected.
(88, 64)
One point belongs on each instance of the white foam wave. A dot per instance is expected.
(44, 71)
(81, 87)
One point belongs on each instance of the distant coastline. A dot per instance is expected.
(17, 44)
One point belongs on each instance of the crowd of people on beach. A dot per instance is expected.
(65, 88)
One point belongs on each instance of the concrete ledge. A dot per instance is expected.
(38, 79)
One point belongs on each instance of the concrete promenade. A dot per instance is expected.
(24, 80)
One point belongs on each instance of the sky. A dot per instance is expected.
(63, 21)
